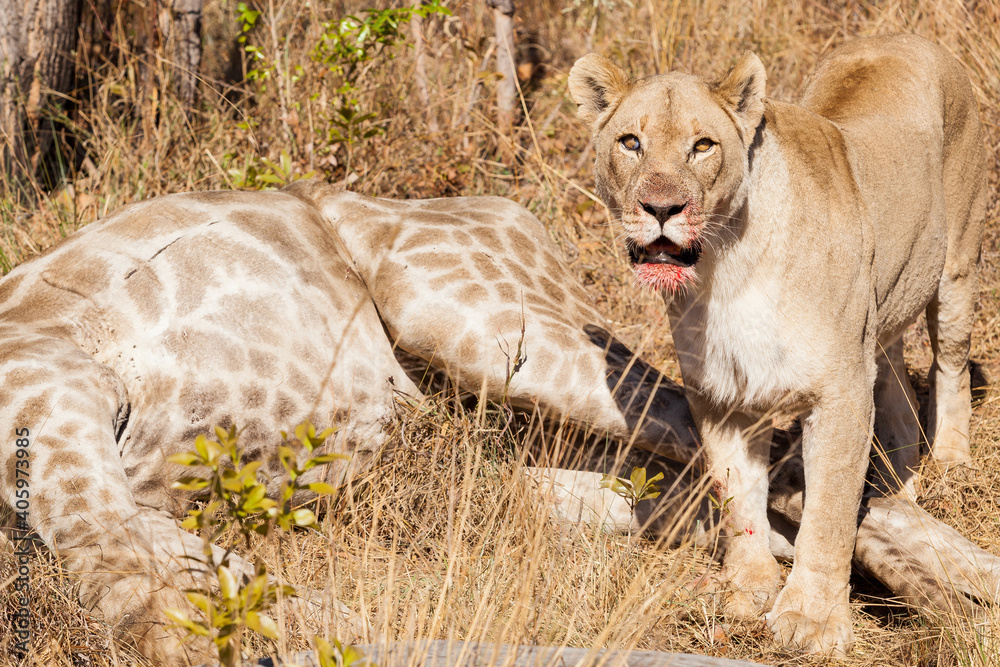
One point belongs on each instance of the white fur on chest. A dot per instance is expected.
(739, 351)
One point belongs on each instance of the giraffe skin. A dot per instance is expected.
(123, 343)
(126, 341)
(467, 283)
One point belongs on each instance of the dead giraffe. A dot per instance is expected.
(142, 331)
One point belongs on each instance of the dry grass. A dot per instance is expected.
(442, 539)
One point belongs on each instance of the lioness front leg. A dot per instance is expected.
(812, 610)
(738, 459)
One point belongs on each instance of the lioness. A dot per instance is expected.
(794, 244)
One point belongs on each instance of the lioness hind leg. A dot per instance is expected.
(896, 450)
(950, 313)
(949, 322)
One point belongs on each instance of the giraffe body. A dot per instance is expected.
(122, 344)
(470, 283)
(140, 332)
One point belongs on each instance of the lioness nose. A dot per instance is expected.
(663, 209)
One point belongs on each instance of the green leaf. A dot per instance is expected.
(616, 484)
(230, 481)
(270, 179)
(303, 517)
(322, 488)
(199, 600)
(177, 616)
(262, 624)
(324, 653)
(227, 583)
(352, 656)
(330, 458)
(201, 446)
(185, 459)
(255, 590)
(638, 478)
(181, 619)
(190, 484)
(249, 471)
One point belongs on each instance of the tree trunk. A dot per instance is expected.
(503, 22)
(180, 27)
(37, 44)
(420, 72)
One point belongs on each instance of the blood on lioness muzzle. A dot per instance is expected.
(663, 264)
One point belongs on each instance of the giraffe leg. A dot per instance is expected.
(175, 550)
(62, 408)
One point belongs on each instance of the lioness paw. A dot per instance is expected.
(811, 624)
(749, 591)
(951, 448)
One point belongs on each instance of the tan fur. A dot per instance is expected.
(820, 231)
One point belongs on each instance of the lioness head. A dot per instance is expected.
(672, 156)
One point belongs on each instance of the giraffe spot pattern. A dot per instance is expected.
(434, 260)
(167, 220)
(472, 295)
(34, 410)
(524, 248)
(450, 279)
(489, 238)
(422, 239)
(520, 275)
(253, 396)
(507, 292)
(506, 322)
(146, 293)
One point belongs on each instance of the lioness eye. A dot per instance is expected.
(630, 142)
(703, 145)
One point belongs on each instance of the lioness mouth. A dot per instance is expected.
(665, 251)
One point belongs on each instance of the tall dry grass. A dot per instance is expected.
(443, 538)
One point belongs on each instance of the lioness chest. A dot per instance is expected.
(746, 349)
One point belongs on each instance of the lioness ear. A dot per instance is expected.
(596, 84)
(742, 91)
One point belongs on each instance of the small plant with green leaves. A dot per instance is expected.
(266, 174)
(345, 48)
(238, 499)
(335, 654)
(246, 19)
(636, 488)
